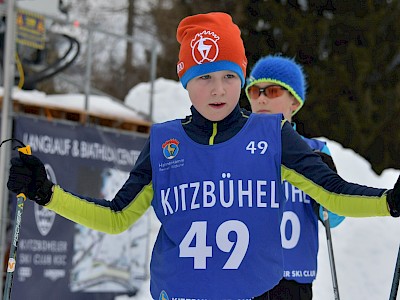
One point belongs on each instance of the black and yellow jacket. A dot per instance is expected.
(300, 166)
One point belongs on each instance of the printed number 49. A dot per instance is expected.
(261, 145)
(200, 251)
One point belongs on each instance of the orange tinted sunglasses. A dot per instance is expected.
(271, 91)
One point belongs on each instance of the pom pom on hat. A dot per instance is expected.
(282, 71)
(209, 43)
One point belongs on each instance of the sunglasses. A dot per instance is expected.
(271, 91)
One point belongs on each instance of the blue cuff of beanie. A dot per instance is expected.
(206, 68)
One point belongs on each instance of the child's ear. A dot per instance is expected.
(295, 103)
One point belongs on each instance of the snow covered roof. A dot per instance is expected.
(170, 101)
(101, 110)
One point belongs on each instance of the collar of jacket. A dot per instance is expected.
(206, 125)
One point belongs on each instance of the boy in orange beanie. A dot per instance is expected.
(213, 180)
(209, 38)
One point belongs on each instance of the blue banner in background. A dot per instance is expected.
(58, 259)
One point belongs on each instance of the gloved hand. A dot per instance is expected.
(393, 199)
(28, 175)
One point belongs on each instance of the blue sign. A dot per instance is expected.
(58, 259)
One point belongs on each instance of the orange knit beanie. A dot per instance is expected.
(209, 42)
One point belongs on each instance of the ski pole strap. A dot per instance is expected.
(25, 150)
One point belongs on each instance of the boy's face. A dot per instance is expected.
(279, 101)
(215, 95)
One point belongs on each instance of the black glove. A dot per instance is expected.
(28, 175)
(393, 199)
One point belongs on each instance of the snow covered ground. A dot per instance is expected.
(365, 249)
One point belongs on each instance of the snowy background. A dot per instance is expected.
(365, 249)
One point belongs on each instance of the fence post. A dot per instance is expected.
(88, 73)
(153, 74)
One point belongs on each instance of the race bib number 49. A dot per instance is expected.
(197, 236)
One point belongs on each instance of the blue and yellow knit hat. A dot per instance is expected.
(282, 71)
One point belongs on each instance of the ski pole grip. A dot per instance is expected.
(21, 195)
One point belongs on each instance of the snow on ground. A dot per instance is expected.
(171, 100)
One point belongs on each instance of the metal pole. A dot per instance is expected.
(153, 74)
(88, 73)
(12, 259)
(6, 121)
(396, 278)
(331, 256)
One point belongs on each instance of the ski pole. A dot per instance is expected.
(396, 278)
(12, 258)
(331, 256)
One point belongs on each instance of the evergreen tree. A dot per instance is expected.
(351, 54)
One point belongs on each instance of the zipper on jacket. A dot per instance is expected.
(214, 133)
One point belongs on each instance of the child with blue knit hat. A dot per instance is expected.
(277, 84)
(213, 179)
(280, 72)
